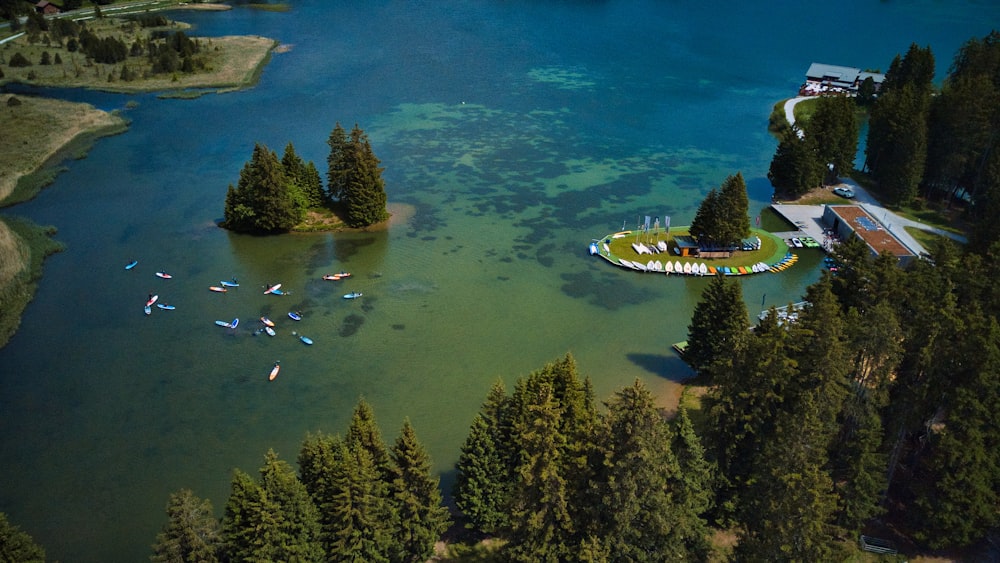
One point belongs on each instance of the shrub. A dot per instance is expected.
(19, 60)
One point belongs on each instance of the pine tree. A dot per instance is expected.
(364, 197)
(304, 177)
(422, 518)
(361, 516)
(486, 465)
(958, 484)
(795, 168)
(262, 200)
(16, 545)
(364, 434)
(706, 220)
(835, 131)
(297, 537)
(191, 532)
(643, 520)
(481, 483)
(788, 509)
(337, 164)
(719, 320)
(250, 521)
(321, 461)
(541, 525)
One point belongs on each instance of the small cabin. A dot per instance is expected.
(47, 8)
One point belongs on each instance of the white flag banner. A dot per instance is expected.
(666, 221)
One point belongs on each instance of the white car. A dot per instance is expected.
(844, 192)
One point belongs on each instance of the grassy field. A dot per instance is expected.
(229, 62)
(35, 130)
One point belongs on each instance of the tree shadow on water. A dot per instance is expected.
(667, 366)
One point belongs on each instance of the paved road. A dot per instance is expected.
(893, 223)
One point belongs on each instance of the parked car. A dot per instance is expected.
(844, 192)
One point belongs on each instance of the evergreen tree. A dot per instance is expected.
(297, 534)
(795, 168)
(481, 483)
(486, 465)
(305, 178)
(706, 219)
(364, 434)
(191, 532)
(262, 200)
(16, 545)
(897, 143)
(541, 525)
(719, 320)
(788, 509)
(321, 463)
(835, 131)
(735, 224)
(337, 164)
(643, 520)
(362, 519)
(364, 197)
(958, 485)
(250, 521)
(417, 497)
(748, 394)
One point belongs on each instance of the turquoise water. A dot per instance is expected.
(512, 133)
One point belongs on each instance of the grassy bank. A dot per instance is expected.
(37, 131)
(23, 247)
(222, 62)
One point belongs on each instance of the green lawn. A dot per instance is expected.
(771, 250)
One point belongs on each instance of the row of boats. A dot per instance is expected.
(703, 269)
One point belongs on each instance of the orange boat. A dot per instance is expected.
(274, 371)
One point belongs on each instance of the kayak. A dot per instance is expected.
(353, 295)
(269, 331)
(152, 300)
(163, 275)
(267, 321)
(166, 307)
(273, 289)
(217, 289)
(274, 371)
(147, 310)
(295, 316)
(306, 339)
(131, 264)
(229, 284)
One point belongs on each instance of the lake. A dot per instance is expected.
(512, 134)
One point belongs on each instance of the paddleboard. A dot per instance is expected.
(152, 300)
(269, 331)
(274, 371)
(222, 323)
(229, 284)
(131, 264)
(235, 323)
(353, 295)
(272, 289)
(295, 316)
(163, 275)
(277, 292)
(217, 289)
(147, 309)
(306, 339)
(267, 321)
(166, 307)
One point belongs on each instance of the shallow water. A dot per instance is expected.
(514, 132)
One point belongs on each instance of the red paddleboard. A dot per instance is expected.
(274, 287)
(163, 275)
(152, 300)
